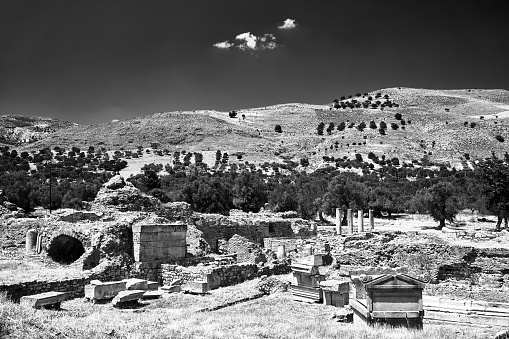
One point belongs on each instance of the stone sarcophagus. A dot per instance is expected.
(391, 299)
(159, 241)
(306, 280)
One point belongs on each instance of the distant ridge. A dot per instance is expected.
(443, 125)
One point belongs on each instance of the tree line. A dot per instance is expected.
(442, 193)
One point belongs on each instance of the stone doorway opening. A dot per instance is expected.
(65, 249)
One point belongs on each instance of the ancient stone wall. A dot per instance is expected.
(159, 241)
(246, 250)
(252, 226)
(220, 276)
(291, 243)
(75, 286)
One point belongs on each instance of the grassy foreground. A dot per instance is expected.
(182, 316)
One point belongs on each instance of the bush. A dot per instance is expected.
(372, 124)
(278, 129)
(500, 138)
(341, 126)
(398, 116)
(271, 285)
(383, 125)
(394, 126)
(473, 124)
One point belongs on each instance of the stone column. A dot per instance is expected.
(349, 219)
(31, 240)
(281, 252)
(360, 221)
(371, 221)
(338, 221)
(38, 247)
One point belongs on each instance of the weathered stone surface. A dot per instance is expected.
(126, 296)
(152, 285)
(105, 290)
(170, 289)
(44, 299)
(152, 294)
(335, 286)
(197, 287)
(136, 284)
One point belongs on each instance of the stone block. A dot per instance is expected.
(197, 287)
(335, 298)
(105, 290)
(170, 289)
(335, 286)
(125, 296)
(152, 285)
(47, 299)
(136, 284)
(152, 295)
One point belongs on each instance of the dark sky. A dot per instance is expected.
(97, 60)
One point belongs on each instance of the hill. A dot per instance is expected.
(440, 125)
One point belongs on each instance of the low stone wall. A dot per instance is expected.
(74, 286)
(220, 276)
(290, 243)
(466, 312)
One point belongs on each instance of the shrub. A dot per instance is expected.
(473, 124)
(398, 116)
(381, 131)
(372, 124)
(278, 129)
(394, 126)
(361, 126)
(383, 125)
(500, 138)
(271, 285)
(341, 126)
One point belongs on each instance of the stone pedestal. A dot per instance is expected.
(360, 221)
(349, 220)
(335, 292)
(306, 282)
(31, 240)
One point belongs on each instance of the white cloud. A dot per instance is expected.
(253, 42)
(223, 44)
(249, 41)
(288, 24)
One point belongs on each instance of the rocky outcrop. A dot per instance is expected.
(123, 196)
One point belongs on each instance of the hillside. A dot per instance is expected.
(15, 129)
(443, 125)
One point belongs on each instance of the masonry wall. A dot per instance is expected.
(159, 242)
(255, 228)
(220, 276)
(75, 287)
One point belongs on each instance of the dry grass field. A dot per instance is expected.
(185, 316)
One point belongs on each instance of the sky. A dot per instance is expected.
(93, 61)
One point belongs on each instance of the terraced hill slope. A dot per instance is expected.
(443, 125)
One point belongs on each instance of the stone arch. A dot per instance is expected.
(65, 249)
